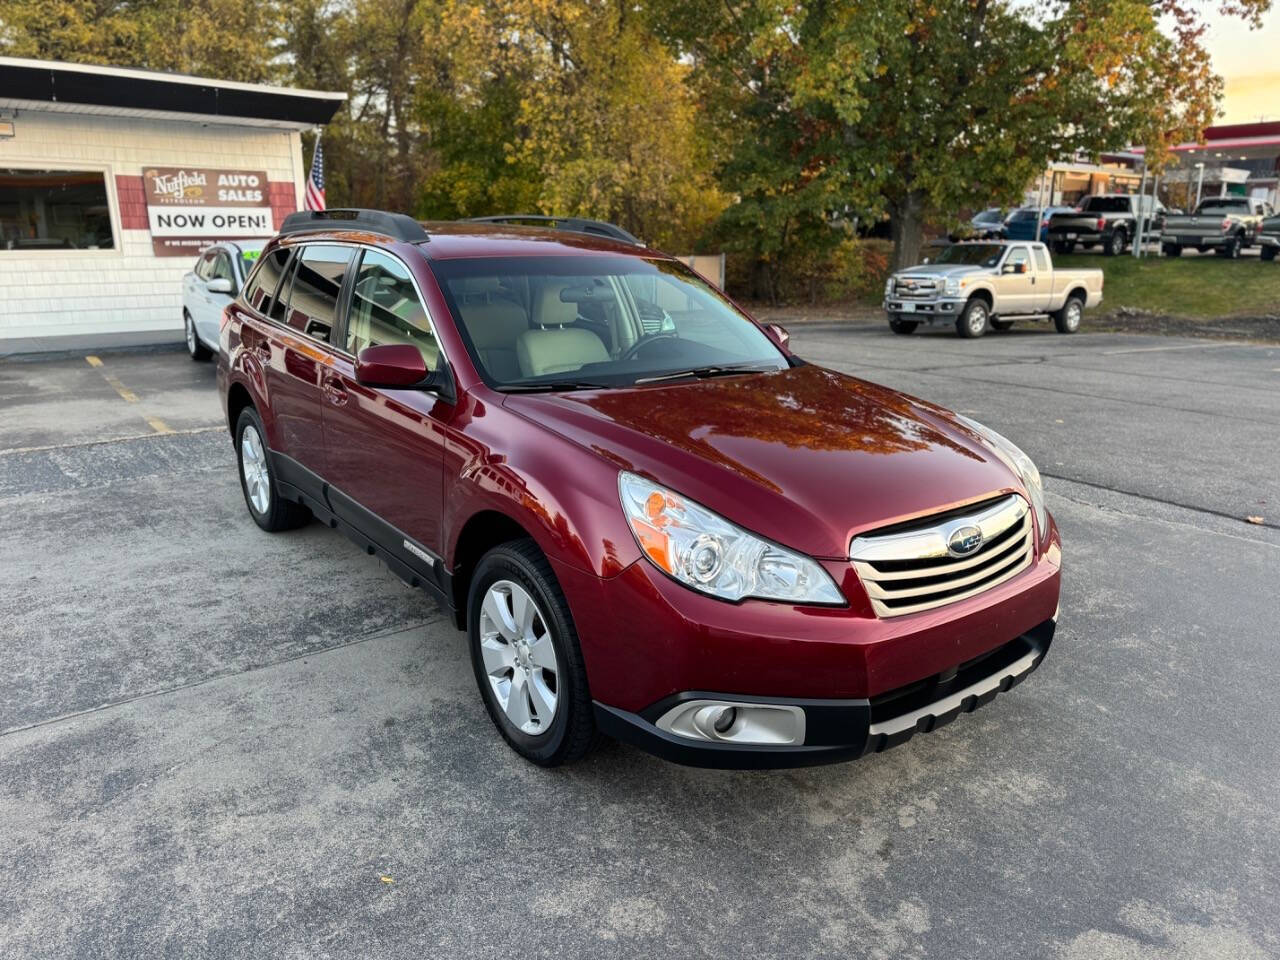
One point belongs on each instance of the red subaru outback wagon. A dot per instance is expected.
(651, 518)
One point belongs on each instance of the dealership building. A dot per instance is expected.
(111, 181)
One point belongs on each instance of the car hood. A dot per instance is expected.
(943, 270)
(807, 457)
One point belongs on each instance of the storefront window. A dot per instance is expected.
(54, 210)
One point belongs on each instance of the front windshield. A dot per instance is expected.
(973, 254)
(247, 259)
(596, 321)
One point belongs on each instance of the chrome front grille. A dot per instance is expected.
(910, 569)
(918, 288)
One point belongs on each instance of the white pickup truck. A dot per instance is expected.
(976, 285)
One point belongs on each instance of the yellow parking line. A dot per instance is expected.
(156, 424)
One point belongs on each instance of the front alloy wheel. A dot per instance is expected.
(197, 349)
(973, 322)
(519, 657)
(526, 658)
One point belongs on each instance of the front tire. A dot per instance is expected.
(903, 327)
(1067, 320)
(198, 351)
(972, 323)
(1269, 253)
(258, 481)
(526, 658)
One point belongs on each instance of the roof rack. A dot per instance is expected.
(394, 225)
(597, 228)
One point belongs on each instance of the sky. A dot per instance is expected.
(1249, 61)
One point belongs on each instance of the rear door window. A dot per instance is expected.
(260, 291)
(317, 282)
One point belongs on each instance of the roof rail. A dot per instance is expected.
(394, 225)
(597, 228)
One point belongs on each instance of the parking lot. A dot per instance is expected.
(216, 742)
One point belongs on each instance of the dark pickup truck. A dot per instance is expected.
(1110, 220)
(1224, 224)
(1269, 237)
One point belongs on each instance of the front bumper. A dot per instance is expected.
(649, 643)
(945, 308)
(837, 730)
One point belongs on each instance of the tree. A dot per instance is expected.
(226, 39)
(946, 104)
(592, 113)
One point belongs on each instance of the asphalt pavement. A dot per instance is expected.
(215, 742)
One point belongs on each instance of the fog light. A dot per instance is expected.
(724, 721)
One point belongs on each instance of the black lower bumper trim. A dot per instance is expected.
(836, 730)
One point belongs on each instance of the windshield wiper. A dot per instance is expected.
(705, 373)
(546, 386)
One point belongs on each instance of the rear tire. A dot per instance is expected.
(198, 351)
(1172, 250)
(1115, 244)
(535, 658)
(903, 327)
(1002, 325)
(1067, 320)
(1269, 253)
(269, 510)
(972, 323)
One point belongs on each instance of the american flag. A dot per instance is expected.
(315, 181)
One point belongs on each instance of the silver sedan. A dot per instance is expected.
(211, 284)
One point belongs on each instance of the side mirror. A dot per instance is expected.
(779, 335)
(396, 365)
(218, 285)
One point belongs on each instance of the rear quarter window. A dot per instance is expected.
(260, 290)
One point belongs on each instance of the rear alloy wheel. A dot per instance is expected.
(903, 327)
(1002, 325)
(1115, 244)
(198, 350)
(1172, 250)
(257, 480)
(973, 322)
(526, 658)
(1067, 320)
(1231, 249)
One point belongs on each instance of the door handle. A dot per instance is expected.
(334, 391)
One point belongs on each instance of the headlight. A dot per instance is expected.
(708, 553)
(1019, 463)
(888, 287)
(952, 287)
